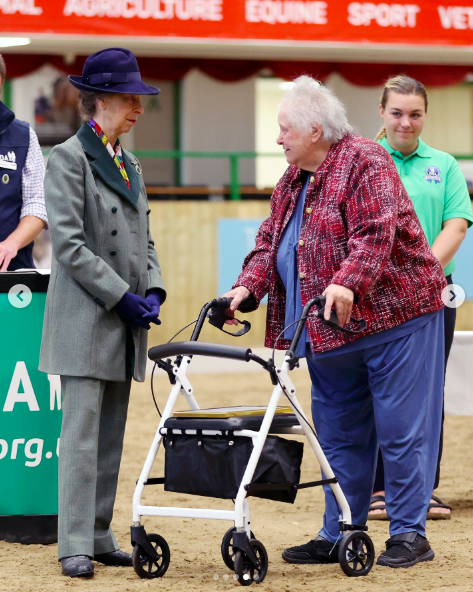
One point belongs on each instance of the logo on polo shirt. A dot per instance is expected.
(432, 173)
(8, 161)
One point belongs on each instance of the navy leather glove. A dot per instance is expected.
(131, 309)
(153, 299)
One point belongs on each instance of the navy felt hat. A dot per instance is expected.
(113, 70)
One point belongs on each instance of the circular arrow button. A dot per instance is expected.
(19, 296)
(453, 296)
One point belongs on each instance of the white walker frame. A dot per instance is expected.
(241, 514)
(356, 548)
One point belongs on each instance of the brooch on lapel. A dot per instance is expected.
(5, 179)
(137, 167)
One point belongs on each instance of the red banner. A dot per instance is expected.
(424, 22)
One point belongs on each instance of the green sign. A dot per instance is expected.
(30, 416)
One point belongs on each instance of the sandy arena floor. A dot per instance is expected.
(196, 563)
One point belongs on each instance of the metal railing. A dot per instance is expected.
(234, 161)
(233, 158)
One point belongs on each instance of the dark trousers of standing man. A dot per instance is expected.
(450, 315)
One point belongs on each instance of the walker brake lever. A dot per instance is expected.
(217, 316)
(333, 322)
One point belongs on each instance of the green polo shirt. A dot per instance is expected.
(436, 187)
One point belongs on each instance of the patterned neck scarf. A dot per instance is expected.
(115, 153)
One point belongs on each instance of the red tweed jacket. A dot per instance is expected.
(360, 231)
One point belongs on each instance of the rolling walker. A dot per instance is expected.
(233, 453)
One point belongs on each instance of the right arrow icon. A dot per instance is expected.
(453, 296)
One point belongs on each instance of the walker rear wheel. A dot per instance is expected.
(152, 567)
(228, 552)
(246, 572)
(356, 554)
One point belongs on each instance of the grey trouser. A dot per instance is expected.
(93, 425)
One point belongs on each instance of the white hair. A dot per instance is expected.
(308, 103)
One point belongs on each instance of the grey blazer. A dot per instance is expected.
(102, 248)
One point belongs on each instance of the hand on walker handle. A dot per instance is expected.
(238, 294)
(341, 299)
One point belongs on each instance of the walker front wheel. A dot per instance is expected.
(245, 570)
(152, 567)
(228, 552)
(356, 554)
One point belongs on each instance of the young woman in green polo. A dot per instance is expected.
(440, 196)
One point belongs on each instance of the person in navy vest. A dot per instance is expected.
(22, 208)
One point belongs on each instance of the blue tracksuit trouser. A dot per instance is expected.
(389, 395)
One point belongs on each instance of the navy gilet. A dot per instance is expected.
(14, 144)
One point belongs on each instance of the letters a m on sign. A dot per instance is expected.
(21, 378)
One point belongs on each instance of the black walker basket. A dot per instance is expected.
(214, 465)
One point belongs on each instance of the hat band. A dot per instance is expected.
(111, 78)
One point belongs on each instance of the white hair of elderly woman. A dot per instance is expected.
(308, 102)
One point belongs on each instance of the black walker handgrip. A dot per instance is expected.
(215, 303)
(319, 302)
(217, 316)
(222, 302)
(192, 348)
(333, 322)
(248, 304)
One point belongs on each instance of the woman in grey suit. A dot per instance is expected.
(104, 291)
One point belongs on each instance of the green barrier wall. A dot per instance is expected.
(30, 420)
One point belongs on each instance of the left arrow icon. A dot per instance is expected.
(19, 296)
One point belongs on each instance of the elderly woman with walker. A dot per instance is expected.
(440, 197)
(104, 292)
(342, 225)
